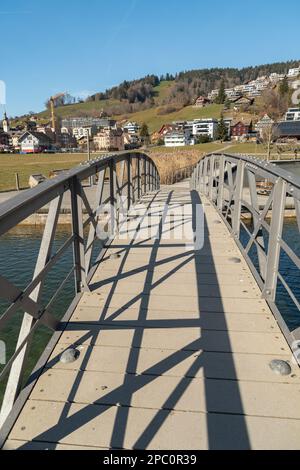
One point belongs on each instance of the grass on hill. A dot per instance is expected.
(155, 121)
(151, 116)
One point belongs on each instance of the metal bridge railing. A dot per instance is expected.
(233, 185)
(121, 180)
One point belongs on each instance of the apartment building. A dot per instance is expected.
(178, 139)
(79, 122)
(293, 114)
(109, 139)
(294, 72)
(203, 127)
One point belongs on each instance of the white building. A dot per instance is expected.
(79, 132)
(294, 72)
(207, 127)
(34, 142)
(178, 139)
(131, 128)
(276, 77)
(293, 114)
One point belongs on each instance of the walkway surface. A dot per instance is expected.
(174, 348)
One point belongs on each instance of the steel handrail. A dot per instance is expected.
(131, 175)
(230, 183)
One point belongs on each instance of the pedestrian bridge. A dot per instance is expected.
(171, 338)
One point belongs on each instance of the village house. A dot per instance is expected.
(131, 141)
(109, 139)
(240, 129)
(47, 130)
(264, 123)
(243, 101)
(34, 142)
(166, 128)
(131, 128)
(201, 102)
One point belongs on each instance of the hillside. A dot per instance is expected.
(159, 100)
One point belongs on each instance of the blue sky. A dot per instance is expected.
(87, 46)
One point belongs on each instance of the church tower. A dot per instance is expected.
(5, 123)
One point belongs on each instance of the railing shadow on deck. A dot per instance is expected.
(221, 431)
(129, 176)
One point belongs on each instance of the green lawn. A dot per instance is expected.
(25, 165)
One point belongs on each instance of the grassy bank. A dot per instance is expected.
(26, 165)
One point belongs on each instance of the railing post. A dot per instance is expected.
(256, 222)
(93, 229)
(238, 193)
(211, 176)
(145, 175)
(221, 182)
(15, 378)
(273, 257)
(77, 231)
(113, 196)
(149, 176)
(129, 182)
(139, 185)
(205, 176)
(199, 183)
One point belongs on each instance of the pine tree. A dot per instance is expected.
(284, 87)
(227, 104)
(222, 129)
(221, 98)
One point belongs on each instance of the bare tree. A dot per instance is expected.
(268, 137)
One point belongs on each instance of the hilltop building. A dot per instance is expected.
(293, 114)
(201, 102)
(294, 72)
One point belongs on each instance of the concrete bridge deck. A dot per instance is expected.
(174, 349)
